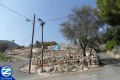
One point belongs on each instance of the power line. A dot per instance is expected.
(30, 35)
(60, 18)
(14, 11)
(31, 19)
(17, 13)
(13, 28)
(57, 19)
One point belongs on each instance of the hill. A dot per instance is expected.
(11, 44)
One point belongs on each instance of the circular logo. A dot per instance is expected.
(6, 71)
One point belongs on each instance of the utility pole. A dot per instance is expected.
(32, 44)
(42, 46)
(42, 24)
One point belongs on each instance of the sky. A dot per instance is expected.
(15, 27)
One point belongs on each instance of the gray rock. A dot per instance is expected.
(60, 68)
(49, 69)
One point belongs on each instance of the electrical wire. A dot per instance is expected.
(15, 12)
(29, 19)
(57, 19)
(13, 28)
(32, 19)
(30, 36)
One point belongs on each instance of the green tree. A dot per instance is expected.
(112, 34)
(82, 25)
(3, 47)
(109, 11)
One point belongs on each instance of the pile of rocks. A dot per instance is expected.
(25, 52)
(63, 60)
(22, 52)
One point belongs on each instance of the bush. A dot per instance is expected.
(19, 47)
(2, 57)
(3, 47)
(39, 44)
(110, 45)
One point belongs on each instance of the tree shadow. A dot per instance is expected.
(109, 61)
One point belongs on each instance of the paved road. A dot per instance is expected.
(111, 71)
(16, 66)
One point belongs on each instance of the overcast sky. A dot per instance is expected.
(15, 27)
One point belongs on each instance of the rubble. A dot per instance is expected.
(62, 61)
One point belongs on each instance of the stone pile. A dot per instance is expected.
(58, 60)
(25, 52)
(64, 60)
(69, 47)
(22, 52)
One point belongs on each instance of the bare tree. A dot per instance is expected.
(82, 25)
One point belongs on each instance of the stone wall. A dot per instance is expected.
(51, 56)
(115, 53)
(26, 52)
(65, 47)
(62, 60)
(117, 49)
(59, 60)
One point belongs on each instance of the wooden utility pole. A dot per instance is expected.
(32, 44)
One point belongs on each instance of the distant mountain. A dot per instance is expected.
(11, 44)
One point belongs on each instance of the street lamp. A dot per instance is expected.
(42, 24)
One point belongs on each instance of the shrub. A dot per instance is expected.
(3, 47)
(2, 57)
(110, 45)
(19, 47)
(39, 44)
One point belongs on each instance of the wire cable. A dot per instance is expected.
(30, 35)
(14, 11)
(13, 28)
(17, 13)
(57, 19)
(31, 19)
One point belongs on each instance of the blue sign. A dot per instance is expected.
(6, 73)
(56, 47)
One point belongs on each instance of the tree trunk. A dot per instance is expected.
(90, 55)
(84, 52)
(90, 51)
(84, 49)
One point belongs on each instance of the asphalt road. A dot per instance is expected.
(110, 71)
(15, 68)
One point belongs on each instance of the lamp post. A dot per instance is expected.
(42, 24)
(31, 43)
